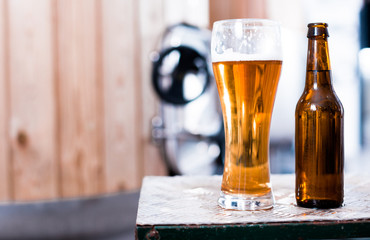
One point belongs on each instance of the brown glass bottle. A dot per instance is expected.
(319, 130)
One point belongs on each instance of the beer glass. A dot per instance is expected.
(246, 59)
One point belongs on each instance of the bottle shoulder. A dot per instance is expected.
(319, 100)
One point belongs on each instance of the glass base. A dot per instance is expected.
(246, 202)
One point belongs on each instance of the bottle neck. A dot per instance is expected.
(318, 62)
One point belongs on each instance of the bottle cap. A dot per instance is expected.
(317, 29)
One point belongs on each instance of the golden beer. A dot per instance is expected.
(246, 58)
(247, 92)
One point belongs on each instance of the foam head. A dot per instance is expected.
(245, 40)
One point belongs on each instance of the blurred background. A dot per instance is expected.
(81, 122)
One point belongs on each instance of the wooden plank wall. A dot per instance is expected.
(75, 94)
(121, 88)
(32, 122)
(220, 9)
(4, 136)
(80, 95)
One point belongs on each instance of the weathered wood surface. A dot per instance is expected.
(188, 204)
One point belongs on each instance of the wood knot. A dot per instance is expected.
(22, 138)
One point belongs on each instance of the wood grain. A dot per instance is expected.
(122, 113)
(32, 108)
(4, 114)
(79, 96)
(191, 12)
(220, 9)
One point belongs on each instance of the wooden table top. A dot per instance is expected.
(184, 202)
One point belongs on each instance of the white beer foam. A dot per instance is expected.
(229, 56)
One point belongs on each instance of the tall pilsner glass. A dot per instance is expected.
(246, 59)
